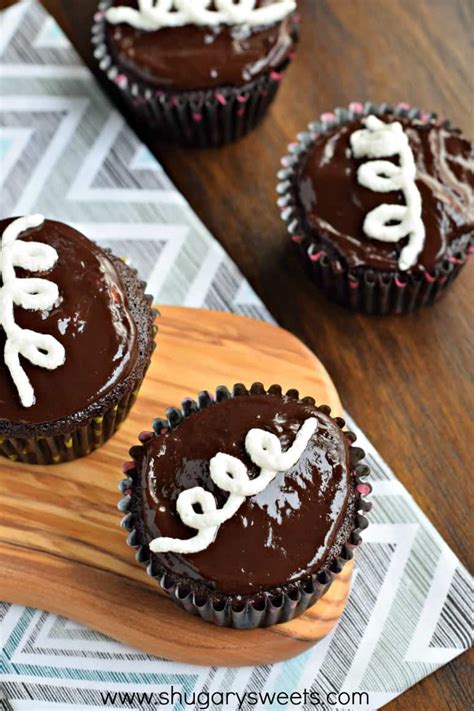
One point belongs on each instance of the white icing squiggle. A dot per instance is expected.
(156, 14)
(230, 474)
(32, 294)
(382, 140)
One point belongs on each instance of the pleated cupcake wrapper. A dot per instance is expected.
(81, 439)
(360, 289)
(73, 444)
(192, 118)
(243, 612)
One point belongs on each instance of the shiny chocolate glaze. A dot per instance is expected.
(333, 205)
(192, 57)
(296, 525)
(91, 320)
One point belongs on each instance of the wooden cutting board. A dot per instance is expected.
(61, 547)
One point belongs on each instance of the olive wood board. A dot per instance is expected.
(61, 545)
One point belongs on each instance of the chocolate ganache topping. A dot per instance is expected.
(90, 320)
(194, 57)
(297, 524)
(334, 204)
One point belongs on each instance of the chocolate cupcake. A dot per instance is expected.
(380, 202)
(76, 337)
(198, 73)
(245, 507)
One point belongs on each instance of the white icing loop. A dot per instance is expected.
(33, 294)
(230, 474)
(156, 14)
(264, 448)
(379, 140)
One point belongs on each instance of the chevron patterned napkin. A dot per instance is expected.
(67, 153)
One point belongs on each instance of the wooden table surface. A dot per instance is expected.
(407, 381)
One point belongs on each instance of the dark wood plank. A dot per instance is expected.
(407, 381)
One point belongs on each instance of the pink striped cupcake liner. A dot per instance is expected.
(361, 289)
(199, 119)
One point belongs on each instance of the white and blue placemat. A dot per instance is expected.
(66, 152)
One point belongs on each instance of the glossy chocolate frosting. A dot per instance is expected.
(91, 320)
(333, 204)
(295, 526)
(192, 57)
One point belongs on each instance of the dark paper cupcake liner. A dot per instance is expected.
(275, 606)
(77, 443)
(199, 119)
(79, 435)
(361, 289)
